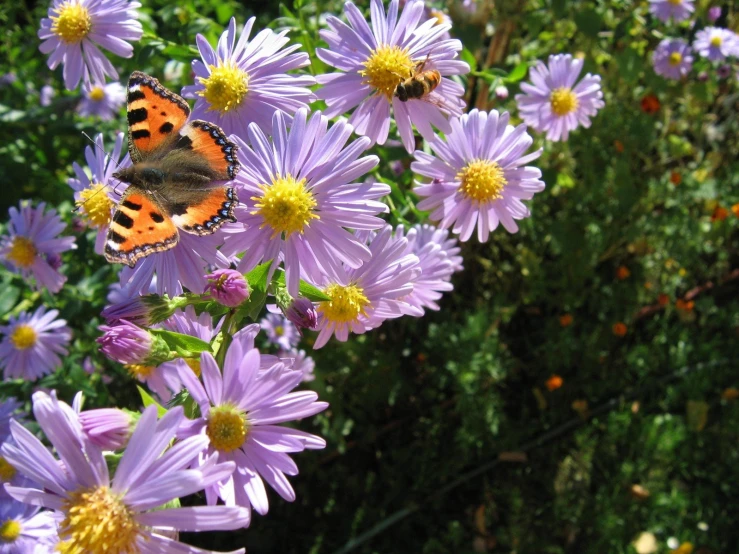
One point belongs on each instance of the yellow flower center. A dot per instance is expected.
(386, 68)
(346, 304)
(140, 371)
(482, 180)
(97, 94)
(286, 206)
(279, 330)
(227, 428)
(716, 41)
(24, 336)
(676, 58)
(97, 522)
(95, 205)
(563, 101)
(438, 15)
(22, 252)
(10, 530)
(194, 364)
(72, 22)
(7, 471)
(675, 2)
(226, 87)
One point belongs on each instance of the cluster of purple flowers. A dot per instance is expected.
(673, 57)
(309, 234)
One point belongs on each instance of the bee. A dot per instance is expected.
(419, 84)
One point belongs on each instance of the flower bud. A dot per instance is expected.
(141, 310)
(128, 344)
(107, 428)
(501, 92)
(227, 287)
(714, 12)
(302, 313)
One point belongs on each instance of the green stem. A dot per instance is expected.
(227, 338)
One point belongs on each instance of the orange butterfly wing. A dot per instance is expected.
(208, 141)
(155, 115)
(205, 216)
(139, 227)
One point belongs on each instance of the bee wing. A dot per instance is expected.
(435, 99)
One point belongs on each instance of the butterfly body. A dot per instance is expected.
(177, 177)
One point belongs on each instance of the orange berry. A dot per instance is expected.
(735, 210)
(619, 329)
(618, 146)
(554, 382)
(565, 320)
(650, 104)
(622, 272)
(676, 178)
(730, 394)
(663, 299)
(719, 214)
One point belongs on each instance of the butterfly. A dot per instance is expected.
(174, 163)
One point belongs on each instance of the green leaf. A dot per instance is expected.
(224, 12)
(8, 298)
(148, 400)
(518, 73)
(252, 307)
(311, 292)
(185, 345)
(469, 57)
(257, 277)
(589, 22)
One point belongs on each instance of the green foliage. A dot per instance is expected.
(421, 410)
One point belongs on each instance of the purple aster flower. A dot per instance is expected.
(32, 343)
(243, 82)
(103, 101)
(362, 298)
(449, 244)
(679, 10)
(76, 28)
(280, 331)
(302, 313)
(241, 409)
(553, 103)
(96, 195)
(32, 245)
(723, 71)
(9, 409)
(479, 175)
(227, 287)
(8, 79)
(128, 344)
(125, 513)
(298, 360)
(46, 95)
(372, 62)
(24, 529)
(715, 43)
(714, 12)
(672, 58)
(299, 198)
(437, 267)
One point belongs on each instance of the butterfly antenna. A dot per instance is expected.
(107, 156)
